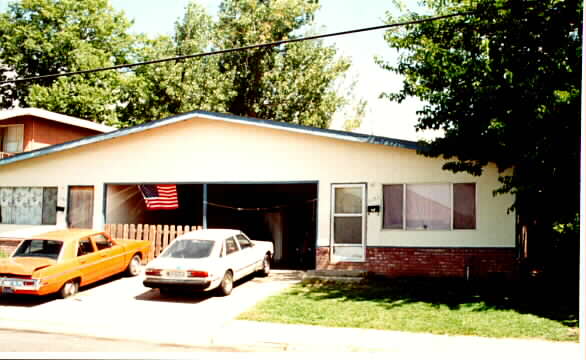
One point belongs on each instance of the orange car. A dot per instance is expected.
(62, 261)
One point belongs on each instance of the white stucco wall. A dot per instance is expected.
(203, 150)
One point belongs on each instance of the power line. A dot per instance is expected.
(225, 51)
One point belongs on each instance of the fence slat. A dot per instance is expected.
(125, 231)
(132, 232)
(152, 231)
(165, 237)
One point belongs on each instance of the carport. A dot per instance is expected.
(281, 212)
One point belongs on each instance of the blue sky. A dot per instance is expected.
(156, 17)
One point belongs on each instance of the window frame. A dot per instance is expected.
(404, 206)
(20, 145)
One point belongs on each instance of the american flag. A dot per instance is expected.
(160, 197)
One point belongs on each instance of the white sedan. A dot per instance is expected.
(208, 259)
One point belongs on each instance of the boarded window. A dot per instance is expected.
(28, 205)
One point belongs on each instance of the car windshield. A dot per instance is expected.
(189, 249)
(39, 248)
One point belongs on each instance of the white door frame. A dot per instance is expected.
(355, 252)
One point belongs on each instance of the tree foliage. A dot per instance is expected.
(291, 83)
(503, 83)
(40, 37)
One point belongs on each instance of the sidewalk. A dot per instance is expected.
(240, 335)
(124, 309)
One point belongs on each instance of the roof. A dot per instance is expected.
(210, 234)
(66, 234)
(49, 115)
(294, 128)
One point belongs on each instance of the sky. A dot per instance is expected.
(157, 17)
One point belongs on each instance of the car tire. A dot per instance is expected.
(227, 284)
(68, 289)
(133, 268)
(266, 266)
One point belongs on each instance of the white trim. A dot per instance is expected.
(64, 119)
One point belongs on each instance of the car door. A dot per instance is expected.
(88, 261)
(249, 256)
(111, 255)
(233, 257)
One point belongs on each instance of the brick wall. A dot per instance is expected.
(436, 262)
(7, 245)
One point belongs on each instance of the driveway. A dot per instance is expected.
(124, 308)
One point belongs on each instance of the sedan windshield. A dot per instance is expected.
(189, 249)
(39, 248)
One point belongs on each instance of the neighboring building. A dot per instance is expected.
(29, 129)
(327, 199)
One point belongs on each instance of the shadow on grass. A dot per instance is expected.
(555, 300)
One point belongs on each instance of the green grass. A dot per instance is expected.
(3, 254)
(451, 307)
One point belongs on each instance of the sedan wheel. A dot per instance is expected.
(133, 268)
(69, 289)
(266, 266)
(227, 284)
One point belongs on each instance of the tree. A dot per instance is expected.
(291, 83)
(502, 81)
(40, 37)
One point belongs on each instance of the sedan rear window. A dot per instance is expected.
(189, 249)
(39, 248)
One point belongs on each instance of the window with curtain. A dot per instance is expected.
(429, 206)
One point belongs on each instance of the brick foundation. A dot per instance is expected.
(7, 245)
(435, 262)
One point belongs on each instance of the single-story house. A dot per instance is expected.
(327, 199)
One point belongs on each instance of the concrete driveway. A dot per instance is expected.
(123, 308)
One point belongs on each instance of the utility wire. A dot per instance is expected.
(225, 51)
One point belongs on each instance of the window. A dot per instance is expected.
(85, 247)
(39, 248)
(28, 205)
(243, 241)
(429, 206)
(102, 242)
(231, 246)
(11, 138)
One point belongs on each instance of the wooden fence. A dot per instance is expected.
(159, 235)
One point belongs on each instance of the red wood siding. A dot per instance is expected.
(41, 132)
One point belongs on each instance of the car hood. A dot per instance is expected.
(24, 265)
(181, 264)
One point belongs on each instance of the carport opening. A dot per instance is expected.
(284, 213)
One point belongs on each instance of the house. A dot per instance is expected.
(327, 199)
(26, 129)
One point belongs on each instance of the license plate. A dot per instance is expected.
(6, 290)
(176, 274)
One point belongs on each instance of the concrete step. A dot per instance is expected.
(336, 275)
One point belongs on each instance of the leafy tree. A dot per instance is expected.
(40, 37)
(290, 83)
(503, 83)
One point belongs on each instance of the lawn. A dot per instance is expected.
(2, 254)
(454, 307)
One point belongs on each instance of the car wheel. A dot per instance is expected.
(133, 268)
(227, 284)
(69, 289)
(266, 266)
